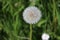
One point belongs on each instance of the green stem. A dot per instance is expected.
(54, 15)
(54, 8)
(30, 31)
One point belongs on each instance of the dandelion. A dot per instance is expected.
(32, 15)
(45, 36)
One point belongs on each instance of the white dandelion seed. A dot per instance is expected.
(45, 36)
(32, 15)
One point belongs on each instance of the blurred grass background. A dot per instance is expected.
(13, 27)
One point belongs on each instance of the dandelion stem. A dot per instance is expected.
(30, 31)
(54, 15)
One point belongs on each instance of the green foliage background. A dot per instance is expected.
(13, 27)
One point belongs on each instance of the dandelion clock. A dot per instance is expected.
(31, 15)
(45, 36)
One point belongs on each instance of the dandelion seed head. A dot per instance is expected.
(45, 36)
(32, 15)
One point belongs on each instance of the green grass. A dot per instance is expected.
(13, 27)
